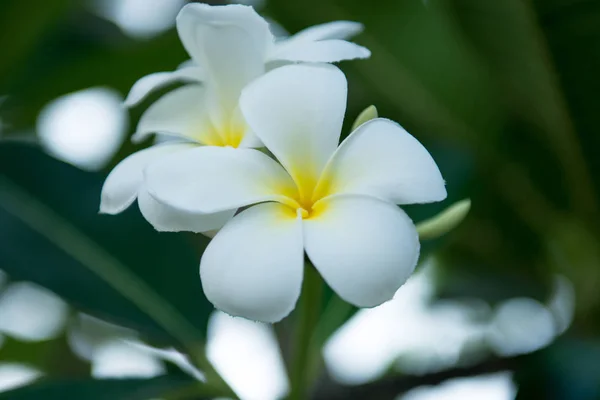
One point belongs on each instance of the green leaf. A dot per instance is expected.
(568, 369)
(108, 389)
(367, 114)
(418, 64)
(19, 39)
(513, 42)
(544, 56)
(55, 356)
(79, 55)
(445, 221)
(115, 267)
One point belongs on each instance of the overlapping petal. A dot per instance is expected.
(253, 267)
(381, 159)
(123, 183)
(146, 85)
(364, 248)
(211, 179)
(249, 139)
(327, 51)
(180, 113)
(297, 111)
(330, 30)
(230, 42)
(320, 43)
(165, 218)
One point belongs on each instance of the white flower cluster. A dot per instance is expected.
(246, 90)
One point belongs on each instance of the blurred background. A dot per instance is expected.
(503, 93)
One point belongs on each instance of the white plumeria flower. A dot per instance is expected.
(337, 205)
(229, 47)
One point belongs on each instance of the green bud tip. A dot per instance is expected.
(445, 221)
(367, 114)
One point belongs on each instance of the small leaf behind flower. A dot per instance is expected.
(367, 114)
(445, 221)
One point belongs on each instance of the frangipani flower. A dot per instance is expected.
(229, 46)
(337, 204)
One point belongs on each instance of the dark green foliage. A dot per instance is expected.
(111, 389)
(49, 210)
(503, 93)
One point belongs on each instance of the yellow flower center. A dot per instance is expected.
(223, 136)
(305, 200)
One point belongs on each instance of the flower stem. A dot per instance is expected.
(308, 310)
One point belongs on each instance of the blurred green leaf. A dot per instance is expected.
(107, 389)
(418, 65)
(493, 256)
(85, 52)
(445, 221)
(53, 356)
(508, 38)
(18, 38)
(52, 234)
(574, 252)
(544, 56)
(572, 33)
(571, 30)
(568, 369)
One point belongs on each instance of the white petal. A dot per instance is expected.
(188, 63)
(124, 181)
(328, 51)
(364, 248)
(180, 113)
(149, 83)
(210, 179)
(330, 30)
(249, 140)
(253, 267)
(168, 219)
(230, 42)
(182, 361)
(297, 112)
(381, 159)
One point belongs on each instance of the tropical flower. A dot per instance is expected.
(336, 204)
(229, 46)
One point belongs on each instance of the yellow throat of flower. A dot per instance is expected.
(228, 135)
(310, 189)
